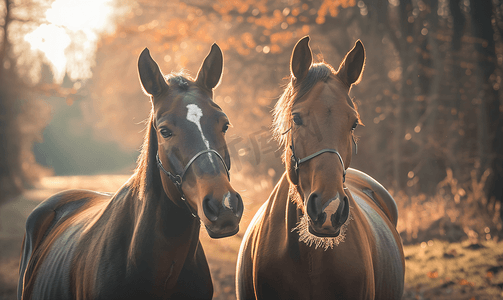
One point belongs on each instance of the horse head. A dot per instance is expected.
(318, 119)
(192, 155)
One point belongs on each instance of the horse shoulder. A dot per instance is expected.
(375, 191)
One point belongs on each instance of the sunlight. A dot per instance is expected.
(72, 32)
(52, 41)
(85, 15)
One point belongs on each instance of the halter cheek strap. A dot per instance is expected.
(177, 179)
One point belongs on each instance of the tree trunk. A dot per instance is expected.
(491, 120)
(10, 170)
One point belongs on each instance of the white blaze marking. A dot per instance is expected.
(194, 114)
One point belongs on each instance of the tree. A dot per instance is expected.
(21, 116)
(448, 106)
(429, 96)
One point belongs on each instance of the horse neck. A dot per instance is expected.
(157, 220)
(153, 211)
(283, 206)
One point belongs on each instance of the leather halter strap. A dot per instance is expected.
(177, 179)
(303, 160)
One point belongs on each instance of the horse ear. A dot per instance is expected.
(211, 70)
(151, 78)
(301, 60)
(352, 65)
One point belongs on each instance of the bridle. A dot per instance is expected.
(298, 161)
(177, 179)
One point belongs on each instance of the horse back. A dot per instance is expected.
(375, 191)
(48, 248)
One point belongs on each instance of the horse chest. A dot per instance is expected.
(302, 272)
(194, 281)
(185, 275)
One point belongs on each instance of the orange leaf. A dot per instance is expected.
(466, 282)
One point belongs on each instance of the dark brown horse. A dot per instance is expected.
(325, 232)
(143, 241)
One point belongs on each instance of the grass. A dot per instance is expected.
(441, 270)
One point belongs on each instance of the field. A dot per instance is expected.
(435, 269)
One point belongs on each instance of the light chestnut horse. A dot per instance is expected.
(326, 232)
(143, 241)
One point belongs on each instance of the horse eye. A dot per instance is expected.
(166, 133)
(297, 119)
(225, 128)
(354, 125)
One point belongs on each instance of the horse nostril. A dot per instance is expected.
(210, 208)
(345, 210)
(313, 207)
(341, 215)
(339, 211)
(238, 211)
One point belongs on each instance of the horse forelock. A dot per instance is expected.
(282, 120)
(180, 80)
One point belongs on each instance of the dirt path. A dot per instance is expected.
(434, 269)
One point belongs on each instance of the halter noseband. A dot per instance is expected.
(303, 160)
(178, 178)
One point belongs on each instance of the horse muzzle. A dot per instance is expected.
(222, 216)
(327, 219)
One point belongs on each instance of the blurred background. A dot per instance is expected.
(430, 96)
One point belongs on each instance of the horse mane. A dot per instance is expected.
(282, 112)
(143, 180)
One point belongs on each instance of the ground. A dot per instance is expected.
(434, 269)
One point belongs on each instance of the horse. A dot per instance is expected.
(143, 241)
(326, 231)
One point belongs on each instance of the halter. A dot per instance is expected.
(178, 179)
(303, 160)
